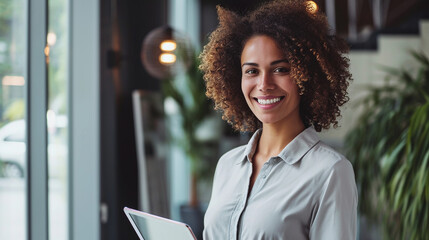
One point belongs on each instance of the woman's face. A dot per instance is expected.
(266, 83)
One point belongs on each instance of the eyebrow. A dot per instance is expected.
(273, 63)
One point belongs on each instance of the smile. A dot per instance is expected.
(269, 101)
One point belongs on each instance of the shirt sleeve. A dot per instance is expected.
(335, 214)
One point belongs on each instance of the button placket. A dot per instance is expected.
(241, 205)
(262, 177)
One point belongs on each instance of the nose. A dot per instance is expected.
(265, 82)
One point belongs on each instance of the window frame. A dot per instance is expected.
(84, 142)
(36, 99)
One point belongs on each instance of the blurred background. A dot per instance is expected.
(102, 106)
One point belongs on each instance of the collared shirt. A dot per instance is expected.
(308, 191)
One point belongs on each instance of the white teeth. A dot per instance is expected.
(268, 101)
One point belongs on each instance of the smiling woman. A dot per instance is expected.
(317, 63)
(278, 73)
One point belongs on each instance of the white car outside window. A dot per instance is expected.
(13, 150)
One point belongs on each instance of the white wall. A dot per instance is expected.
(424, 33)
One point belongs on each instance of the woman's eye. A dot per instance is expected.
(251, 71)
(281, 70)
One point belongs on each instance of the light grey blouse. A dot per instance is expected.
(308, 191)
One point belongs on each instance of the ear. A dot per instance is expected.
(226, 17)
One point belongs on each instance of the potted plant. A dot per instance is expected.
(195, 109)
(389, 149)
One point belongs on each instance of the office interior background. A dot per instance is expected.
(72, 78)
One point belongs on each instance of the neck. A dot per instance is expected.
(276, 136)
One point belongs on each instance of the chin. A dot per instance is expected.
(266, 120)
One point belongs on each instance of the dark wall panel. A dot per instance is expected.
(124, 24)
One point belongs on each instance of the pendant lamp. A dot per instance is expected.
(166, 52)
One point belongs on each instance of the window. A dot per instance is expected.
(57, 118)
(13, 63)
(40, 63)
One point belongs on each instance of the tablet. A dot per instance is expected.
(152, 227)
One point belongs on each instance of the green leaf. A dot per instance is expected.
(420, 57)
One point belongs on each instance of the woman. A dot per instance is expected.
(278, 73)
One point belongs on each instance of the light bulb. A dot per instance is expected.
(168, 45)
(51, 38)
(46, 51)
(167, 58)
(312, 7)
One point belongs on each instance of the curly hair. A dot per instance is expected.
(318, 64)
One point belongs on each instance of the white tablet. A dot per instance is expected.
(152, 227)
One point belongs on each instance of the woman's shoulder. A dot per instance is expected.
(228, 162)
(325, 152)
(233, 156)
(330, 168)
(328, 159)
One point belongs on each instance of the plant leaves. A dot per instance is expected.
(389, 149)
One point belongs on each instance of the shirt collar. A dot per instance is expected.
(292, 153)
(251, 146)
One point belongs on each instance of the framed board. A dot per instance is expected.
(151, 149)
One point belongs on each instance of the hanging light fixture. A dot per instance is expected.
(312, 7)
(166, 52)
